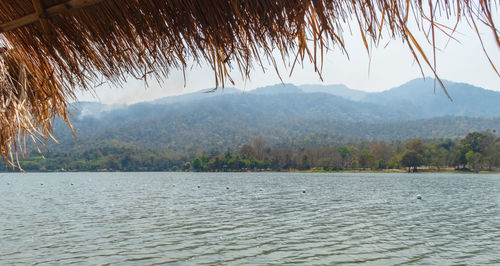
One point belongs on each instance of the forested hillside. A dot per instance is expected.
(289, 115)
(285, 116)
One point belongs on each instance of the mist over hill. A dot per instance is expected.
(426, 99)
(286, 114)
(422, 98)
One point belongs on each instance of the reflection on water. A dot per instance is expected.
(250, 218)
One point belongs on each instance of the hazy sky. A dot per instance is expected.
(391, 65)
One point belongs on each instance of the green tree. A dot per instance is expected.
(186, 166)
(412, 159)
(482, 146)
(437, 155)
(473, 159)
(365, 159)
(346, 154)
(197, 164)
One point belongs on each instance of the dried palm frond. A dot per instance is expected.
(64, 45)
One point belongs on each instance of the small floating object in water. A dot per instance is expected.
(227, 187)
(71, 183)
(419, 196)
(198, 186)
(303, 191)
(41, 184)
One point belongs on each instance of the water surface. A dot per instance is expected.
(249, 218)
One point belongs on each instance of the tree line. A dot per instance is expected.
(478, 151)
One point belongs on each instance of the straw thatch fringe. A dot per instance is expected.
(112, 39)
(25, 109)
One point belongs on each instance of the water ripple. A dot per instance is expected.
(263, 218)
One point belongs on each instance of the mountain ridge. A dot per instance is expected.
(421, 96)
(280, 114)
(416, 99)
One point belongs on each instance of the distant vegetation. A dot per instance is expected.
(304, 127)
(478, 151)
(287, 115)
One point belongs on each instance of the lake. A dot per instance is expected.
(249, 218)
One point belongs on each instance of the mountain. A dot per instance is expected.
(277, 89)
(421, 99)
(424, 98)
(235, 115)
(283, 114)
(337, 90)
(195, 96)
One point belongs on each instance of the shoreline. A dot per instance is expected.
(354, 171)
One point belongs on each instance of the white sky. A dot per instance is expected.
(391, 66)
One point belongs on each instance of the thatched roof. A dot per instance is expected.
(57, 46)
